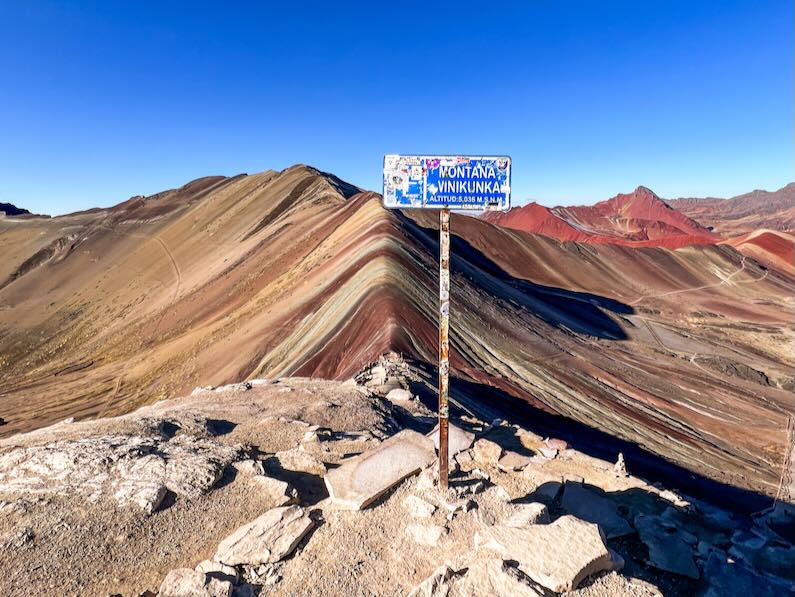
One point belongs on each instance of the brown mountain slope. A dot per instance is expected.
(774, 210)
(684, 352)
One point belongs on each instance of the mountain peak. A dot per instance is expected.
(12, 210)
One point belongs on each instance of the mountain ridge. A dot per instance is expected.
(278, 273)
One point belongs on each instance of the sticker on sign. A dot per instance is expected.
(457, 182)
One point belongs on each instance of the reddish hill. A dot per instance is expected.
(639, 218)
(742, 214)
(771, 248)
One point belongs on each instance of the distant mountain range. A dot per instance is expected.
(774, 210)
(759, 224)
(639, 218)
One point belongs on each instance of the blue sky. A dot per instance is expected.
(100, 101)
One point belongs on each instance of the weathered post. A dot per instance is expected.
(474, 183)
(444, 345)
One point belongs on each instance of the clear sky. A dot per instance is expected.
(100, 101)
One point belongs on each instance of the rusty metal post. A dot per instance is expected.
(444, 346)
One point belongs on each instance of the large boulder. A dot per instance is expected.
(558, 555)
(363, 479)
(267, 539)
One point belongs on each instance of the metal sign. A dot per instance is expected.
(457, 182)
(444, 183)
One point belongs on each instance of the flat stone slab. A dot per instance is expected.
(589, 505)
(667, 551)
(363, 479)
(267, 539)
(557, 556)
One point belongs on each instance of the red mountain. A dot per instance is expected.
(639, 218)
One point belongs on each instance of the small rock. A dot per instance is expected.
(419, 508)
(299, 460)
(399, 395)
(184, 582)
(620, 467)
(486, 451)
(458, 440)
(523, 515)
(248, 467)
(281, 492)
(501, 493)
(465, 460)
(269, 538)
(436, 584)
(557, 444)
(426, 534)
(147, 496)
(218, 570)
(548, 453)
(513, 461)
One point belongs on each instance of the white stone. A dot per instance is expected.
(399, 395)
(184, 582)
(248, 467)
(269, 538)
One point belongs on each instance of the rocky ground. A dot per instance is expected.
(310, 487)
